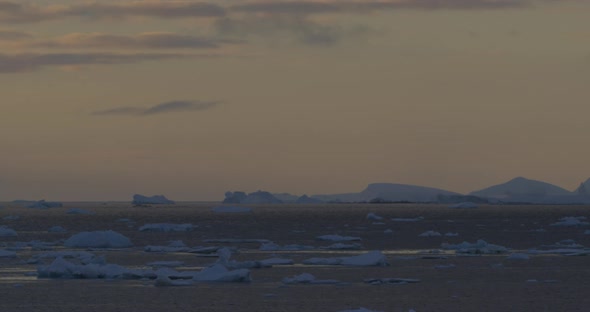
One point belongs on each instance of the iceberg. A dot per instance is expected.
(151, 200)
(42, 204)
(479, 247)
(98, 239)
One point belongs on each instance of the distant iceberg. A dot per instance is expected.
(153, 200)
(98, 239)
(259, 197)
(42, 204)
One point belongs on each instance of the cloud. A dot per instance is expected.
(151, 40)
(166, 107)
(352, 6)
(119, 111)
(297, 29)
(17, 12)
(12, 35)
(23, 62)
(179, 106)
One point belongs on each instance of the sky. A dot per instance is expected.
(190, 99)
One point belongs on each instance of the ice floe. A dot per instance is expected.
(231, 209)
(337, 238)
(407, 219)
(430, 234)
(151, 200)
(571, 221)
(166, 227)
(479, 247)
(6, 231)
(62, 268)
(562, 251)
(450, 234)
(388, 231)
(307, 278)
(57, 229)
(374, 217)
(372, 258)
(11, 218)
(7, 254)
(380, 281)
(98, 239)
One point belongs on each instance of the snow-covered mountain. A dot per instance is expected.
(392, 192)
(583, 189)
(522, 187)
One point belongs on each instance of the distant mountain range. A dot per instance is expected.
(517, 190)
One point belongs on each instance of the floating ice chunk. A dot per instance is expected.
(7, 254)
(464, 205)
(306, 278)
(374, 217)
(518, 256)
(445, 266)
(82, 256)
(430, 234)
(167, 227)
(449, 234)
(79, 211)
(571, 221)
(408, 219)
(6, 231)
(219, 273)
(11, 218)
(231, 209)
(151, 200)
(479, 247)
(372, 258)
(338, 238)
(380, 281)
(61, 268)
(275, 247)
(57, 229)
(562, 251)
(98, 239)
(42, 204)
(388, 231)
(587, 232)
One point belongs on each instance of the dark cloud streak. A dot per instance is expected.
(15, 12)
(154, 40)
(25, 62)
(162, 108)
